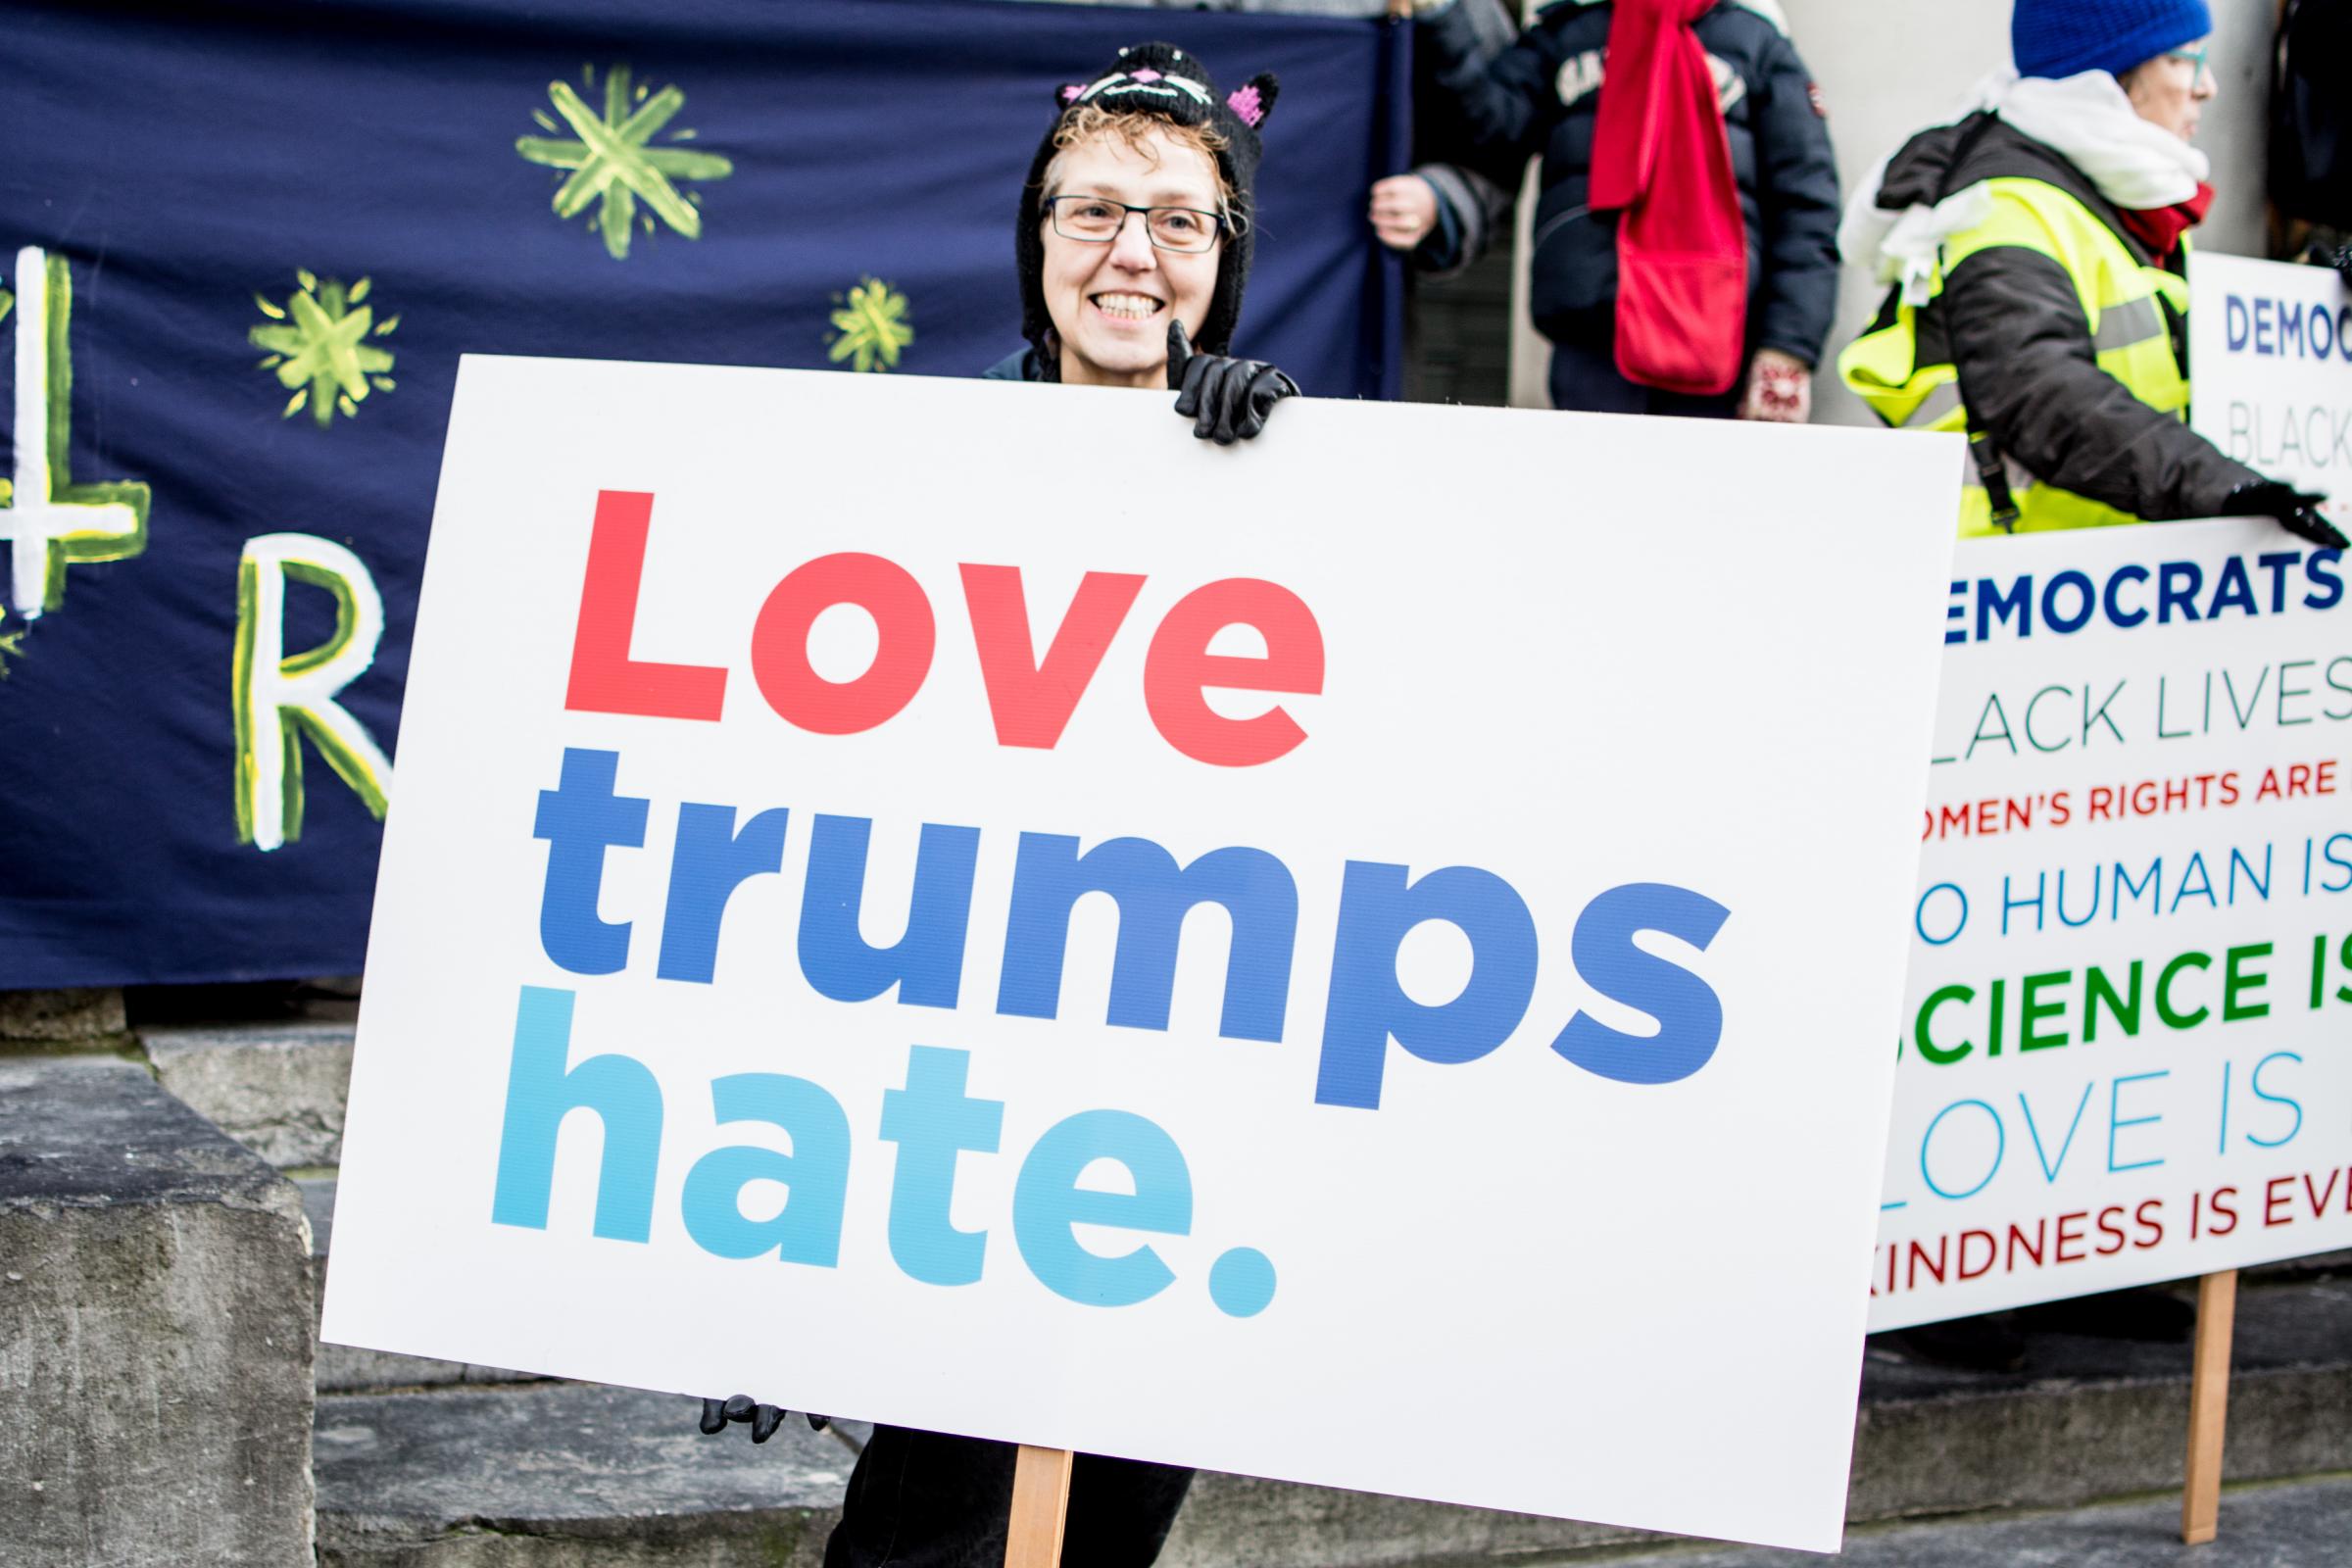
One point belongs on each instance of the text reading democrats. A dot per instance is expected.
(588, 814)
(2132, 595)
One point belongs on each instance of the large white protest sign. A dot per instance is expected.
(783, 979)
(2271, 346)
(2125, 1056)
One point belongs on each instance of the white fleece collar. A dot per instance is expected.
(2086, 120)
(2090, 122)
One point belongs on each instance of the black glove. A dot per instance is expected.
(765, 1418)
(2343, 260)
(2297, 513)
(1226, 399)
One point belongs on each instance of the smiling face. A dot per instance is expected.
(2172, 90)
(1111, 303)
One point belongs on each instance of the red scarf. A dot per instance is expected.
(1661, 154)
(2160, 228)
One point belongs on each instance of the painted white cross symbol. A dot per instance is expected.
(50, 522)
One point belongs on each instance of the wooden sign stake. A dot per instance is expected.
(2208, 1406)
(1041, 1504)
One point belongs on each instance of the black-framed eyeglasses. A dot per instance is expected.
(1098, 219)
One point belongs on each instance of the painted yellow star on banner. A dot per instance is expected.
(324, 346)
(613, 165)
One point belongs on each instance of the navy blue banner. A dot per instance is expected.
(242, 246)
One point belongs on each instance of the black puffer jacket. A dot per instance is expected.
(2023, 346)
(1542, 95)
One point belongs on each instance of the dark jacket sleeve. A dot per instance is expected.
(1471, 211)
(1504, 103)
(2030, 377)
(1797, 174)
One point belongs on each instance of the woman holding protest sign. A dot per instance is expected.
(2037, 251)
(1134, 243)
(1111, 301)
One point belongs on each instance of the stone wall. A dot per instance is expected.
(156, 1317)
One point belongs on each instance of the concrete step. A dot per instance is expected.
(155, 1331)
(2295, 1524)
(277, 1086)
(2086, 1419)
(87, 1020)
(2090, 1418)
(569, 1476)
(564, 1476)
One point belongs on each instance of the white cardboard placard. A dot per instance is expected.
(1562, 657)
(2127, 1047)
(2010, 816)
(2271, 348)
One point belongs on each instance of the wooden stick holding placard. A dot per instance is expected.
(1041, 1504)
(2208, 1406)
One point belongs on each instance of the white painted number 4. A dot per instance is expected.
(278, 698)
(51, 522)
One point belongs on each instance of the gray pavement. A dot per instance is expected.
(2293, 1524)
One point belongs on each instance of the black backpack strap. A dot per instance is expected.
(1991, 472)
(1990, 469)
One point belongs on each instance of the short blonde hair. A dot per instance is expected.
(1088, 121)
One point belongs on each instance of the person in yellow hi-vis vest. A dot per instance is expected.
(2037, 257)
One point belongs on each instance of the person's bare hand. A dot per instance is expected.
(1780, 389)
(1404, 209)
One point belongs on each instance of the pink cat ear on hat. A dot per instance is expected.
(1254, 100)
(1069, 91)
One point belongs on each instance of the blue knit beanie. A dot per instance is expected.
(2062, 37)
